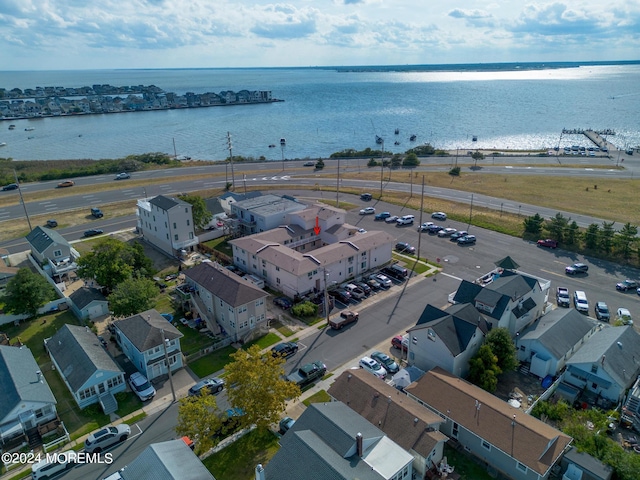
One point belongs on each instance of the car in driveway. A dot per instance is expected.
(285, 424)
(576, 268)
(92, 232)
(284, 349)
(602, 312)
(547, 243)
(371, 366)
(122, 176)
(11, 186)
(51, 223)
(446, 232)
(283, 302)
(106, 437)
(382, 215)
(214, 385)
(400, 342)
(425, 227)
(141, 386)
(368, 211)
(466, 240)
(439, 215)
(386, 361)
(404, 247)
(627, 285)
(391, 219)
(66, 183)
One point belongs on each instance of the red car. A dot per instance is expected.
(400, 343)
(548, 243)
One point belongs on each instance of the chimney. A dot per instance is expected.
(602, 360)
(359, 444)
(260, 472)
(39, 373)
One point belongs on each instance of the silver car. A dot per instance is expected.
(108, 436)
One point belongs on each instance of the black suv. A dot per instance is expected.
(96, 212)
(285, 349)
(405, 247)
(365, 196)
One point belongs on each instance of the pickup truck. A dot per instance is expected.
(346, 317)
(307, 373)
(562, 297)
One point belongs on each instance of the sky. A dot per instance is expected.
(91, 34)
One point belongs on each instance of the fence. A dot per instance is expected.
(208, 350)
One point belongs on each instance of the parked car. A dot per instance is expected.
(466, 240)
(391, 219)
(284, 349)
(548, 243)
(446, 232)
(123, 176)
(214, 384)
(386, 361)
(460, 233)
(602, 312)
(51, 467)
(400, 342)
(439, 215)
(11, 186)
(425, 227)
(285, 424)
(66, 183)
(92, 232)
(366, 196)
(627, 285)
(283, 302)
(405, 220)
(354, 291)
(108, 436)
(368, 211)
(51, 223)
(365, 288)
(404, 247)
(435, 228)
(341, 295)
(576, 268)
(624, 315)
(383, 280)
(375, 284)
(141, 386)
(96, 212)
(382, 216)
(371, 366)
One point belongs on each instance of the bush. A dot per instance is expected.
(455, 171)
(305, 309)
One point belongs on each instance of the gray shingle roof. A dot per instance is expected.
(85, 295)
(165, 203)
(19, 381)
(171, 460)
(144, 329)
(41, 238)
(79, 354)
(224, 284)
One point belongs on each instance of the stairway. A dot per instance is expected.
(35, 440)
(108, 403)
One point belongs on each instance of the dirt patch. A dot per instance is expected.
(527, 384)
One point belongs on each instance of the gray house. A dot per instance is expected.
(333, 441)
(50, 248)
(86, 368)
(26, 401)
(88, 303)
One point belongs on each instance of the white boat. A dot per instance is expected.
(29, 129)
(3, 144)
(12, 127)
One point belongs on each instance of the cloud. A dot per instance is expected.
(468, 14)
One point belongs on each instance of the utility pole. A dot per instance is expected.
(381, 168)
(421, 207)
(26, 214)
(166, 359)
(338, 185)
(470, 212)
(230, 147)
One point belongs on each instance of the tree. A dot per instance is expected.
(592, 236)
(201, 214)
(411, 160)
(112, 261)
(199, 419)
(499, 340)
(372, 163)
(319, 164)
(477, 155)
(26, 292)
(305, 309)
(557, 227)
(625, 240)
(260, 389)
(133, 295)
(606, 237)
(533, 224)
(484, 370)
(573, 233)
(396, 160)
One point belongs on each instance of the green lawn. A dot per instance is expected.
(465, 466)
(238, 460)
(214, 362)
(318, 397)
(264, 342)
(193, 341)
(221, 245)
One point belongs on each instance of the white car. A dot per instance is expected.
(98, 441)
(122, 176)
(425, 226)
(439, 215)
(48, 469)
(354, 290)
(141, 386)
(371, 366)
(383, 280)
(367, 211)
(405, 220)
(624, 315)
(446, 232)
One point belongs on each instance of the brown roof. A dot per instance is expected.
(530, 441)
(402, 419)
(226, 285)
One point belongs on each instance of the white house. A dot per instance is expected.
(263, 213)
(167, 223)
(52, 251)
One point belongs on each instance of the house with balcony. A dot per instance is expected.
(52, 251)
(504, 438)
(144, 337)
(167, 223)
(229, 304)
(409, 424)
(26, 401)
(297, 258)
(447, 338)
(88, 371)
(263, 213)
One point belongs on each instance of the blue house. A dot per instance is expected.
(86, 368)
(141, 339)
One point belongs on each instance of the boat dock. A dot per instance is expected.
(596, 136)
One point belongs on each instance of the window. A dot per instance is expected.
(174, 225)
(350, 270)
(486, 445)
(259, 302)
(186, 209)
(175, 237)
(454, 430)
(521, 467)
(523, 348)
(188, 222)
(594, 368)
(57, 253)
(363, 265)
(190, 235)
(165, 225)
(278, 281)
(363, 254)
(350, 259)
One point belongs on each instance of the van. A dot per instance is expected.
(580, 301)
(396, 271)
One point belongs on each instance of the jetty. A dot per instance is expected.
(595, 136)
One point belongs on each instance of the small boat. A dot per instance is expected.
(379, 140)
(29, 129)
(396, 142)
(12, 127)
(272, 146)
(283, 141)
(397, 132)
(29, 138)
(413, 137)
(474, 138)
(3, 144)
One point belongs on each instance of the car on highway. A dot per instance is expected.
(371, 366)
(92, 232)
(446, 232)
(284, 349)
(368, 211)
(122, 176)
(548, 243)
(309, 164)
(576, 268)
(425, 227)
(141, 386)
(214, 385)
(439, 215)
(400, 342)
(383, 280)
(66, 183)
(283, 302)
(627, 285)
(11, 186)
(404, 247)
(386, 361)
(108, 436)
(51, 223)
(466, 240)
(602, 312)
(382, 215)
(391, 219)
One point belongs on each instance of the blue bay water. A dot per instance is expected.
(326, 110)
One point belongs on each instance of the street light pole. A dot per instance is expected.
(166, 359)
(326, 295)
(381, 168)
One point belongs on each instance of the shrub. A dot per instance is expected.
(305, 309)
